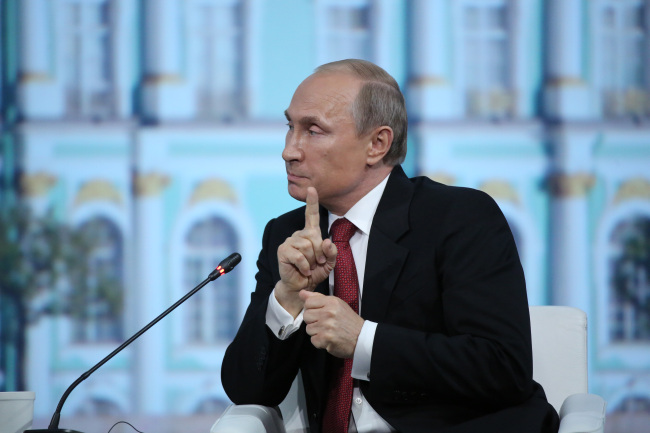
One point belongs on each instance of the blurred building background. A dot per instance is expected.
(148, 133)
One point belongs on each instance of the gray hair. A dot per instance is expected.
(379, 102)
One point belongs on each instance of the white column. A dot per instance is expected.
(570, 252)
(566, 91)
(430, 90)
(149, 351)
(570, 184)
(165, 93)
(39, 365)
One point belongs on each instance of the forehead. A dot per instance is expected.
(325, 94)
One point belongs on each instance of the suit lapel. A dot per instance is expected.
(386, 257)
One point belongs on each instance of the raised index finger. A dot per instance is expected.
(312, 214)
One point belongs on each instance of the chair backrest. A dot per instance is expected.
(559, 337)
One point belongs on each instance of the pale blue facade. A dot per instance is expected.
(161, 121)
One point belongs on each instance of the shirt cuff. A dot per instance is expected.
(279, 321)
(363, 351)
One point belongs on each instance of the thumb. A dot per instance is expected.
(307, 294)
(330, 251)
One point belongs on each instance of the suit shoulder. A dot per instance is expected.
(452, 199)
(425, 186)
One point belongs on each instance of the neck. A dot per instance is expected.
(375, 175)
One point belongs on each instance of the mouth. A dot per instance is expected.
(291, 177)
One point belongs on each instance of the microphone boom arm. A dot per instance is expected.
(224, 267)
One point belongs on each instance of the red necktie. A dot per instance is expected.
(346, 287)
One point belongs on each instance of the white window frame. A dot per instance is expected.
(627, 354)
(615, 95)
(325, 34)
(209, 312)
(89, 327)
(217, 67)
(89, 64)
(490, 101)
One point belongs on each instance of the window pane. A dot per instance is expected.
(212, 313)
(623, 51)
(99, 294)
(487, 61)
(630, 280)
(347, 33)
(88, 59)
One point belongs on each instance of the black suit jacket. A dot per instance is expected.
(443, 280)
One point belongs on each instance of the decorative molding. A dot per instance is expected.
(635, 188)
(428, 80)
(161, 79)
(34, 77)
(213, 189)
(98, 190)
(571, 185)
(149, 185)
(442, 177)
(37, 185)
(500, 190)
(565, 82)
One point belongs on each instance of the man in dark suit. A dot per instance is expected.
(434, 329)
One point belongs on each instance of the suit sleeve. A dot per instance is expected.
(258, 368)
(481, 355)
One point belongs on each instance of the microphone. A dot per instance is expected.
(224, 267)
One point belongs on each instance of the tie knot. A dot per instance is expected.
(342, 230)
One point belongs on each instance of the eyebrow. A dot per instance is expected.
(307, 120)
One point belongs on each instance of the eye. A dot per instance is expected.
(312, 132)
(290, 126)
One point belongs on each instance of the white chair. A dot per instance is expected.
(559, 336)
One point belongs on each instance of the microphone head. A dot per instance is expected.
(225, 266)
(230, 262)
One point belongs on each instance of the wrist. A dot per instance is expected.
(288, 299)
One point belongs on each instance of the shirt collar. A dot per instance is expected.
(363, 211)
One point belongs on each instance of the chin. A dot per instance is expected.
(297, 192)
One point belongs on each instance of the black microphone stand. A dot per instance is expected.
(224, 267)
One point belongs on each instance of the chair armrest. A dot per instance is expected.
(249, 419)
(582, 413)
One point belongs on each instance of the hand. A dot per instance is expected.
(304, 259)
(331, 323)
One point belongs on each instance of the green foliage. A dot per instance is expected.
(47, 266)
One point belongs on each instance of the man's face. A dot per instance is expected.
(322, 148)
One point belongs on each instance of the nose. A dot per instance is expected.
(292, 149)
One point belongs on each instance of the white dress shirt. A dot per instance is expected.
(282, 324)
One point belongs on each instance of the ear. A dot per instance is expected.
(381, 141)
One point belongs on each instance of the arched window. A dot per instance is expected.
(211, 315)
(629, 281)
(98, 296)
